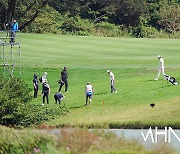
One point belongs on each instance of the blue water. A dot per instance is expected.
(136, 134)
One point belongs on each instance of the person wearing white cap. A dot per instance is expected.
(44, 77)
(89, 92)
(161, 67)
(112, 79)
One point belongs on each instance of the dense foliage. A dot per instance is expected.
(14, 95)
(15, 109)
(80, 17)
(19, 141)
(70, 140)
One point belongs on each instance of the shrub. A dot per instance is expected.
(109, 30)
(37, 114)
(76, 25)
(15, 109)
(21, 141)
(145, 32)
(14, 94)
(83, 141)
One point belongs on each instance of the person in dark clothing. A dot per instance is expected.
(64, 79)
(35, 85)
(58, 97)
(46, 92)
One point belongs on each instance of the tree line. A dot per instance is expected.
(79, 16)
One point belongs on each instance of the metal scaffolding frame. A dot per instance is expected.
(10, 53)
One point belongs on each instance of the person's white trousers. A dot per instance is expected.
(159, 72)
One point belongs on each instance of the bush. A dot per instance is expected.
(20, 141)
(76, 26)
(145, 32)
(37, 114)
(109, 30)
(15, 109)
(14, 95)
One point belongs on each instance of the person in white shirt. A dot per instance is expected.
(161, 67)
(89, 92)
(44, 77)
(112, 79)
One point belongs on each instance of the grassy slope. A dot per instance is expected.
(134, 63)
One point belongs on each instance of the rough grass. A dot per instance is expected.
(134, 63)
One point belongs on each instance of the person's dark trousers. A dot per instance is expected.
(13, 34)
(57, 99)
(113, 89)
(47, 98)
(87, 97)
(42, 88)
(35, 92)
(66, 86)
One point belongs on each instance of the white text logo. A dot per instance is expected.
(167, 132)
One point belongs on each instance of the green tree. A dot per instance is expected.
(127, 12)
(24, 11)
(170, 17)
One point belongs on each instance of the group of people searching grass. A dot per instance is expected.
(64, 81)
(46, 88)
(88, 88)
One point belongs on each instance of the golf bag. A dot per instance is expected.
(171, 79)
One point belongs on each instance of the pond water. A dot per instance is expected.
(137, 135)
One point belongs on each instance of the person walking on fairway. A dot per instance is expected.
(112, 79)
(46, 92)
(161, 67)
(89, 92)
(64, 79)
(35, 85)
(58, 97)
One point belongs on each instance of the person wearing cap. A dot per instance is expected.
(46, 92)
(112, 79)
(161, 67)
(64, 79)
(58, 97)
(89, 92)
(44, 77)
(35, 85)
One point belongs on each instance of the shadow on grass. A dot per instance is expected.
(150, 80)
(76, 107)
(102, 93)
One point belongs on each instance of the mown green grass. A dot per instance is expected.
(134, 63)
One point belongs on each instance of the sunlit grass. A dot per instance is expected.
(134, 63)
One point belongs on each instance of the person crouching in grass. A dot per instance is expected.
(58, 97)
